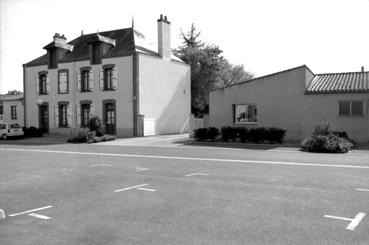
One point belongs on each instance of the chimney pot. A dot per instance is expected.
(165, 18)
(362, 69)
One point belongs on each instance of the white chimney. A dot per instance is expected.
(164, 37)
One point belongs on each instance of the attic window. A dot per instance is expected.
(53, 62)
(96, 53)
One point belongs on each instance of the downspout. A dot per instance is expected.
(135, 95)
(24, 96)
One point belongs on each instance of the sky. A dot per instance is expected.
(266, 36)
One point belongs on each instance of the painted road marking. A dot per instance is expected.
(362, 189)
(138, 169)
(193, 174)
(30, 211)
(192, 158)
(39, 216)
(128, 188)
(2, 214)
(354, 222)
(102, 164)
(145, 189)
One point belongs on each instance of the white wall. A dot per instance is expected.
(165, 93)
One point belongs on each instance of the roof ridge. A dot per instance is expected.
(339, 73)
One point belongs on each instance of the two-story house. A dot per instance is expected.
(114, 75)
(12, 109)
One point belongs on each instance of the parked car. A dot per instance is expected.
(10, 130)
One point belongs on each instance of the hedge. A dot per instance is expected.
(241, 134)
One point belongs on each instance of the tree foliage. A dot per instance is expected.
(14, 92)
(209, 69)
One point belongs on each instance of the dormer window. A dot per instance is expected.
(96, 54)
(99, 45)
(53, 58)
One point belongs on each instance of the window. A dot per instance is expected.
(245, 114)
(13, 111)
(350, 108)
(63, 85)
(1, 110)
(96, 54)
(85, 114)
(84, 81)
(53, 62)
(108, 79)
(63, 121)
(42, 84)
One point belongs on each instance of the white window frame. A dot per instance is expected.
(235, 121)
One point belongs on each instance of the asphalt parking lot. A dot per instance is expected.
(132, 194)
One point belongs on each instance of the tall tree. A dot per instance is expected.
(209, 69)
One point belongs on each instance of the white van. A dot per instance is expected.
(10, 129)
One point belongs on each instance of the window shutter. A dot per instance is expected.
(90, 81)
(233, 113)
(79, 81)
(78, 116)
(48, 83)
(92, 110)
(37, 84)
(115, 78)
(101, 79)
(56, 116)
(69, 116)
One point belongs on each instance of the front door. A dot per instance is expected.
(44, 117)
(109, 118)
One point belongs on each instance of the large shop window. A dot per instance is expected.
(244, 114)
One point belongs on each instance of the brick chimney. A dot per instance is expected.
(164, 37)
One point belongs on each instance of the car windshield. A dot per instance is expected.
(2, 126)
(15, 125)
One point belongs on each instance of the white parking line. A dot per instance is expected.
(145, 189)
(192, 158)
(30, 211)
(128, 188)
(193, 174)
(102, 164)
(362, 189)
(354, 222)
(138, 169)
(39, 216)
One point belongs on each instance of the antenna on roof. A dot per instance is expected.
(133, 21)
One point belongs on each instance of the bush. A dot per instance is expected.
(33, 132)
(256, 135)
(95, 124)
(276, 135)
(325, 140)
(82, 137)
(101, 139)
(203, 134)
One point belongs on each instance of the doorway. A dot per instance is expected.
(109, 117)
(44, 117)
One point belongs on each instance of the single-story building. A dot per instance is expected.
(295, 100)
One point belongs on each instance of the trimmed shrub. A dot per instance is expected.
(228, 133)
(203, 134)
(33, 132)
(276, 135)
(256, 135)
(324, 140)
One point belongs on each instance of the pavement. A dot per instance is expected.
(156, 190)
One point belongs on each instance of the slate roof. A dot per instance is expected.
(349, 82)
(127, 41)
(4, 97)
